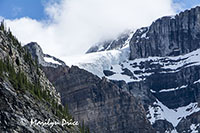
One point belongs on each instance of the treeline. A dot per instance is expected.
(21, 83)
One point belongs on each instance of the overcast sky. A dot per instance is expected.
(70, 27)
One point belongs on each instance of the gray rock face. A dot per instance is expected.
(37, 53)
(108, 73)
(187, 89)
(18, 104)
(17, 110)
(173, 81)
(190, 124)
(102, 105)
(168, 36)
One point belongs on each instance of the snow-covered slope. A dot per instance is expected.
(141, 68)
(117, 62)
(97, 62)
(159, 111)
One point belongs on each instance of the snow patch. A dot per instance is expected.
(51, 60)
(198, 81)
(194, 127)
(173, 89)
(161, 112)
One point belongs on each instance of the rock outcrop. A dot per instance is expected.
(25, 92)
(168, 36)
(37, 53)
(18, 108)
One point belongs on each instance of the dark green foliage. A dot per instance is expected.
(83, 128)
(28, 58)
(66, 111)
(11, 37)
(21, 83)
(2, 26)
(1, 68)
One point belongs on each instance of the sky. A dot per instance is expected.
(12, 9)
(69, 27)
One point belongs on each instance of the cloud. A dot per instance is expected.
(74, 25)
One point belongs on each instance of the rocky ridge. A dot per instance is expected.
(43, 59)
(25, 91)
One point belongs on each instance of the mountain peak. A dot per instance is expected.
(43, 59)
(112, 44)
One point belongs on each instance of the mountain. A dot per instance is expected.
(159, 66)
(143, 81)
(27, 97)
(43, 59)
(100, 104)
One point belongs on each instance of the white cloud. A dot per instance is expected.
(75, 25)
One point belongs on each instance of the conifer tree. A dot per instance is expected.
(2, 26)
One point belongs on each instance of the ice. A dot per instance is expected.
(99, 61)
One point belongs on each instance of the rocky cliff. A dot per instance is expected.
(26, 94)
(168, 36)
(100, 104)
